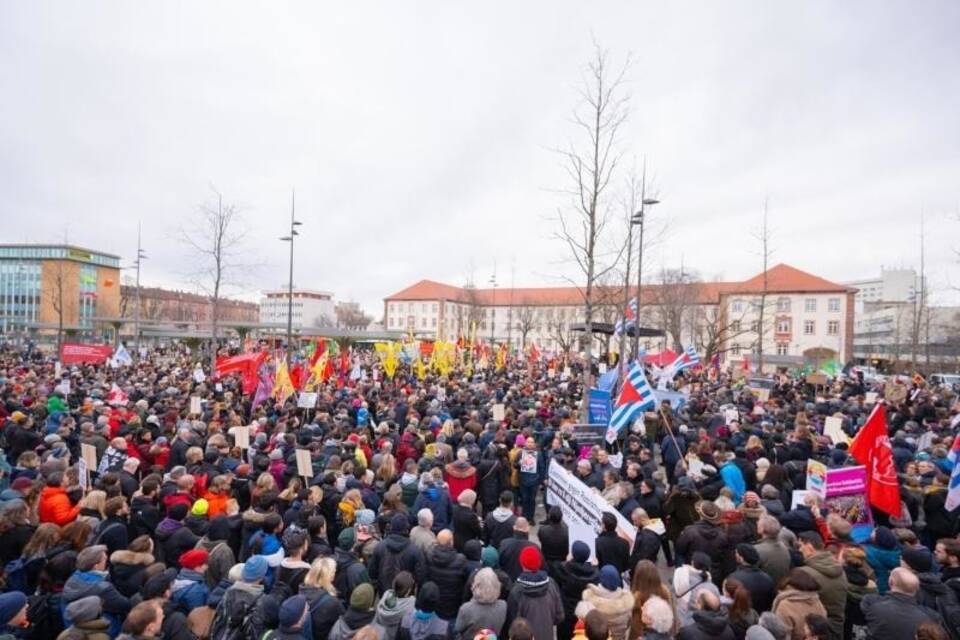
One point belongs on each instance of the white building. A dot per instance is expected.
(893, 285)
(310, 308)
(884, 335)
(806, 317)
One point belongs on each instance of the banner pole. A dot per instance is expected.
(666, 423)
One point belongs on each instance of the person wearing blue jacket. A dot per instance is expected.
(190, 589)
(733, 479)
(532, 469)
(436, 499)
(883, 555)
(90, 579)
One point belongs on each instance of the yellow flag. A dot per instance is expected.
(421, 369)
(282, 385)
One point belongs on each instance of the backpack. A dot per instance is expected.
(43, 613)
(949, 609)
(103, 530)
(21, 572)
(232, 619)
(390, 565)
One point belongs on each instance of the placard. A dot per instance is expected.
(89, 453)
(499, 412)
(307, 400)
(241, 436)
(818, 379)
(817, 478)
(528, 462)
(196, 408)
(551, 373)
(798, 498)
(599, 407)
(731, 415)
(57, 369)
(870, 397)
(304, 464)
(602, 368)
(895, 393)
(763, 395)
(84, 473)
(833, 429)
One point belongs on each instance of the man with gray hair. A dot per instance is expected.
(422, 535)
(774, 555)
(897, 614)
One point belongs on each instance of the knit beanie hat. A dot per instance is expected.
(255, 568)
(489, 557)
(610, 578)
(292, 610)
(84, 609)
(885, 538)
(427, 597)
(11, 604)
(917, 558)
(194, 558)
(748, 553)
(178, 512)
(580, 551)
(530, 559)
(347, 538)
(200, 507)
(362, 597)
(399, 524)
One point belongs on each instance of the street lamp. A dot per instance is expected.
(294, 223)
(493, 307)
(141, 255)
(638, 219)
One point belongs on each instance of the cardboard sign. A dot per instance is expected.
(57, 369)
(84, 473)
(870, 397)
(895, 393)
(307, 400)
(241, 436)
(196, 407)
(833, 429)
(499, 412)
(763, 395)
(731, 415)
(304, 465)
(551, 373)
(818, 379)
(89, 453)
(797, 498)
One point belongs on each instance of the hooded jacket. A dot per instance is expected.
(350, 622)
(446, 568)
(711, 540)
(325, 610)
(391, 611)
(394, 554)
(459, 477)
(574, 579)
(882, 561)
(55, 506)
(126, 570)
(173, 538)
(616, 607)
(829, 575)
(680, 511)
(498, 526)
(219, 561)
(895, 616)
(438, 501)
(536, 599)
(189, 591)
(793, 606)
(707, 625)
(94, 583)
(466, 526)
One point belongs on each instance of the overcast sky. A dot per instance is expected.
(418, 134)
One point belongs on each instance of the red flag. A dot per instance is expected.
(298, 376)
(246, 364)
(871, 447)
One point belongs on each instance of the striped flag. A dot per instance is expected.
(953, 495)
(629, 319)
(685, 360)
(636, 396)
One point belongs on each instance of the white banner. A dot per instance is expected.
(582, 507)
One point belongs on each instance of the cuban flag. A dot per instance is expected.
(629, 319)
(685, 360)
(953, 494)
(636, 396)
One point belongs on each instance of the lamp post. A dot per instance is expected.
(493, 307)
(141, 255)
(638, 219)
(293, 233)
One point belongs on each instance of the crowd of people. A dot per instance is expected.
(421, 516)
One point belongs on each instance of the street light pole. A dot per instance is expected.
(493, 307)
(293, 233)
(638, 219)
(136, 310)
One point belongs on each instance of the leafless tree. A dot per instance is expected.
(59, 301)
(718, 329)
(527, 322)
(674, 300)
(215, 243)
(763, 236)
(591, 163)
(557, 328)
(351, 316)
(919, 301)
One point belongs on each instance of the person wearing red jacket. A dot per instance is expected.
(460, 475)
(55, 505)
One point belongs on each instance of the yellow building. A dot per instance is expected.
(41, 283)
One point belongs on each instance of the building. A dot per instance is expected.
(804, 316)
(310, 308)
(897, 336)
(47, 286)
(350, 316)
(168, 306)
(893, 285)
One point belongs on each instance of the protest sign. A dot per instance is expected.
(241, 436)
(797, 498)
(84, 472)
(528, 461)
(763, 395)
(847, 497)
(582, 507)
(870, 397)
(599, 408)
(88, 452)
(817, 379)
(895, 393)
(57, 369)
(304, 465)
(817, 478)
(76, 353)
(676, 398)
(551, 373)
(833, 429)
(499, 412)
(730, 415)
(195, 407)
(307, 400)
(602, 368)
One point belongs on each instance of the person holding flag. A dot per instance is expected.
(871, 448)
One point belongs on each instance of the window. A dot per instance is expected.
(737, 306)
(423, 307)
(433, 322)
(809, 327)
(810, 305)
(434, 307)
(782, 348)
(833, 328)
(423, 322)
(735, 349)
(735, 326)
(783, 326)
(833, 304)
(783, 305)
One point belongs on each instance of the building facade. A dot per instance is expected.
(167, 306)
(893, 285)
(899, 336)
(310, 308)
(45, 286)
(804, 317)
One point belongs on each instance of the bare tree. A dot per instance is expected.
(717, 329)
(763, 235)
(591, 165)
(215, 242)
(59, 302)
(527, 321)
(557, 328)
(674, 300)
(919, 301)
(351, 316)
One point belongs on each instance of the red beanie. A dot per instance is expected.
(193, 558)
(530, 559)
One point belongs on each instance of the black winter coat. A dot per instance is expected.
(645, 547)
(554, 542)
(466, 526)
(325, 610)
(447, 569)
(144, 517)
(612, 549)
(510, 553)
(394, 554)
(350, 573)
(574, 578)
(708, 538)
(759, 584)
(497, 527)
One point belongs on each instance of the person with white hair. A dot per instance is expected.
(485, 610)
(657, 616)
(422, 535)
(114, 457)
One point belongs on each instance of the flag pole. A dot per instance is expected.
(666, 423)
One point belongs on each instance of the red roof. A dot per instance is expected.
(781, 279)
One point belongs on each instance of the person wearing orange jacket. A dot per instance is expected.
(55, 505)
(217, 496)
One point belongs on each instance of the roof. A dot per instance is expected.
(781, 279)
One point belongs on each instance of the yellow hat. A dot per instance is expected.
(18, 416)
(200, 507)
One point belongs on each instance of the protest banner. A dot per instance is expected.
(304, 464)
(870, 398)
(582, 507)
(75, 353)
(599, 407)
(307, 399)
(817, 379)
(676, 398)
(817, 478)
(833, 429)
(241, 436)
(895, 393)
(196, 408)
(587, 436)
(847, 497)
(499, 412)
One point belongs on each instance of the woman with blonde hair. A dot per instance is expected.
(324, 605)
(386, 473)
(91, 507)
(351, 503)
